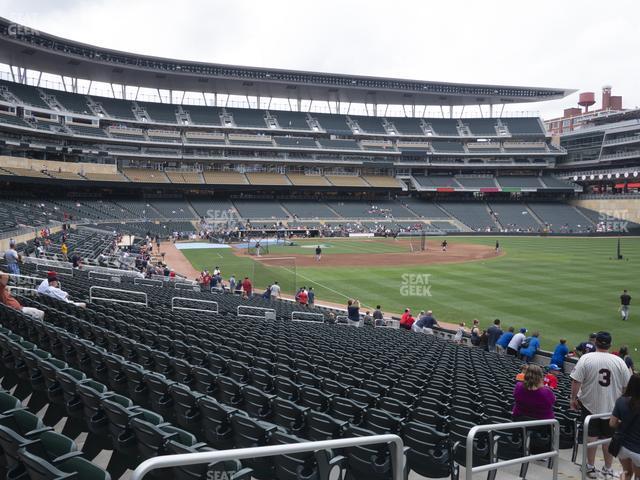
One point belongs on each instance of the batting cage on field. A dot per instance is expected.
(275, 269)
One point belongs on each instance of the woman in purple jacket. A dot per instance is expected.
(533, 401)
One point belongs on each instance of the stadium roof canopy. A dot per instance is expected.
(27, 48)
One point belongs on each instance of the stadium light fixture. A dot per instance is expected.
(626, 174)
(592, 177)
(600, 177)
(617, 175)
(635, 174)
(575, 178)
(584, 177)
(609, 176)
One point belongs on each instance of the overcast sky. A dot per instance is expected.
(547, 43)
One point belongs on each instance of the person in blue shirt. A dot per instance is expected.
(530, 350)
(559, 353)
(504, 339)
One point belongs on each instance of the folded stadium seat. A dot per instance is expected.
(429, 452)
(289, 415)
(363, 396)
(119, 412)
(229, 391)
(116, 377)
(17, 428)
(426, 401)
(162, 363)
(257, 403)
(76, 467)
(287, 388)
(321, 426)
(326, 372)
(334, 387)
(307, 378)
(315, 399)
(266, 354)
(9, 403)
(182, 371)
(159, 397)
(318, 465)
(482, 446)
(263, 380)
(216, 422)
(284, 370)
(217, 364)
(69, 379)
(348, 410)
(91, 394)
(205, 381)
(239, 371)
(370, 461)
(32, 360)
(187, 411)
(374, 387)
(99, 369)
(509, 444)
(137, 389)
(394, 406)
(248, 432)
(434, 419)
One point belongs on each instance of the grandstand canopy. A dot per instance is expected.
(27, 48)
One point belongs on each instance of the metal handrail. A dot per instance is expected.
(114, 300)
(247, 315)
(197, 300)
(585, 440)
(184, 459)
(297, 313)
(555, 453)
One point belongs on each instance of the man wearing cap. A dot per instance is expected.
(598, 380)
(12, 258)
(588, 346)
(494, 332)
(9, 301)
(551, 378)
(516, 341)
(50, 287)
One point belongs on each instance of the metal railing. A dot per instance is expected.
(309, 317)
(266, 313)
(116, 300)
(586, 444)
(185, 459)
(195, 300)
(554, 453)
(147, 282)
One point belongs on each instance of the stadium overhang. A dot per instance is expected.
(23, 47)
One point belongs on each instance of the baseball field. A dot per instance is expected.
(563, 287)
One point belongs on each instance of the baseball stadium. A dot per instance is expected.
(149, 205)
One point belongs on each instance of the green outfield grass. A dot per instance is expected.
(559, 286)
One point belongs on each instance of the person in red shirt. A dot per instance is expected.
(551, 378)
(303, 297)
(406, 321)
(246, 287)
(9, 301)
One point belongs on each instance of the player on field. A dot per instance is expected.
(625, 303)
(318, 253)
(444, 246)
(599, 379)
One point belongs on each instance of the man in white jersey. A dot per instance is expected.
(599, 379)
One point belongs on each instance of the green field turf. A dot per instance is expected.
(559, 286)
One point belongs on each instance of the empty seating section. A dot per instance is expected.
(555, 182)
(561, 217)
(212, 177)
(346, 181)
(515, 217)
(263, 178)
(308, 209)
(445, 226)
(203, 115)
(524, 126)
(481, 126)
(172, 208)
(116, 108)
(138, 209)
(25, 93)
(13, 120)
(443, 127)
(86, 130)
(25, 172)
(296, 142)
(291, 120)
(71, 102)
(145, 175)
(333, 124)
(307, 180)
(476, 182)
(369, 124)
(437, 181)
(359, 209)
(382, 181)
(259, 209)
(215, 210)
(339, 144)
(64, 175)
(106, 177)
(441, 146)
(240, 139)
(185, 177)
(474, 215)
(245, 117)
(160, 112)
(407, 126)
(517, 181)
(424, 209)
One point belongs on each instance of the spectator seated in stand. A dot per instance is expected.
(406, 321)
(50, 287)
(9, 301)
(532, 400)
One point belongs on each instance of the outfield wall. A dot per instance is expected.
(626, 209)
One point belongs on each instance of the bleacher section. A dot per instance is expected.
(424, 209)
(291, 120)
(172, 208)
(515, 217)
(261, 178)
(481, 126)
(71, 102)
(244, 117)
(333, 124)
(116, 108)
(307, 180)
(514, 181)
(473, 214)
(339, 144)
(144, 175)
(523, 126)
(383, 181)
(26, 94)
(160, 112)
(440, 146)
(561, 217)
(308, 209)
(259, 209)
(346, 181)
(224, 178)
(369, 125)
(443, 127)
(220, 210)
(203, 115)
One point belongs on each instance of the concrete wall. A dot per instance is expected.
(625, 209)
(38, 165)
(4, 242)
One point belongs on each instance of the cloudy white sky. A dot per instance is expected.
(549, 43)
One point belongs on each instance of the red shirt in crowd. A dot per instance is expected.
(303, 297)
(246, 286)
(7, 299)
(407, 320)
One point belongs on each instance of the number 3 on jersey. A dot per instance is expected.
(605, 377)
